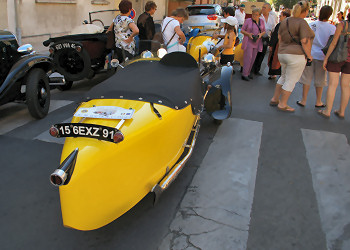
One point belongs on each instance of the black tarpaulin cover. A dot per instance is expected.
(157, 82)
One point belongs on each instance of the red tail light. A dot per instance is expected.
(118, 137)
(212, 17)
(53, 131)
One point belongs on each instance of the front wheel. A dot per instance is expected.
(37, 93)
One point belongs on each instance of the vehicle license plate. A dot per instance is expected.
(86, 130)
(197, 27)
(64, 45)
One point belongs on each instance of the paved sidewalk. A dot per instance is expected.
(215, 212)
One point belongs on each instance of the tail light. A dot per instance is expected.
(118, 137)
(53, 131)
(212, 17)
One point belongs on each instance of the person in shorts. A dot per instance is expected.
(323, 30)
(334, 69)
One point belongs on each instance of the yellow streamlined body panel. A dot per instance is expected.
(109, 178)
(199, 42)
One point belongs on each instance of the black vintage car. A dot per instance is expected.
(23, 75)
(79, 56)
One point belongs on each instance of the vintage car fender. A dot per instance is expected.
(20, 69)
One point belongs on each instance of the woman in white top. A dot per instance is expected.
(323, 30)
(173, 37)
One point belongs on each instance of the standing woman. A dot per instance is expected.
(333, 73)
(253, 29)
(173, 37)
(323, 30)
(273, 62)
(229, 41)
(295, 37)
(124, 30)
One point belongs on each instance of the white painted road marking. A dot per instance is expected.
(329, 159)
(45, 136)
(215, 212)
(20, 115)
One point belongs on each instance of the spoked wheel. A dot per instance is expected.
(37, 93)
(72, 64)
(66, 86)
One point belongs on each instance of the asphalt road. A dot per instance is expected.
(290, 208)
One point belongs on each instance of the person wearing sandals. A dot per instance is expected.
(295, 37)
(323, 30)
(173, 37)
(333, 73)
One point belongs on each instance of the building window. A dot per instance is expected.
(102, 2)
(56, 1)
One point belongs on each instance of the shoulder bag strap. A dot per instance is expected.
(258, 25)
(164, 30)
(292, 35)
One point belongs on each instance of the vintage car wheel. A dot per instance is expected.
(72, 64)
(66, 86)
(37, 93)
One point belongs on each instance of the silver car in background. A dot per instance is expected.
(203, 16)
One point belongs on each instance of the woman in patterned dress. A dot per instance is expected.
(124, 31)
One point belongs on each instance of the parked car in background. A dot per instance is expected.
(83, 53)
(24, 75)
(206, 17)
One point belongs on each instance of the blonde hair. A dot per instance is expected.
(300, 7)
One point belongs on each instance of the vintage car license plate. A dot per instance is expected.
(86, 130)
(197, 27)
(64, 45)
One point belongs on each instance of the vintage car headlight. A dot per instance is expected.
(147, 54)
(161, 52)
(209, 58)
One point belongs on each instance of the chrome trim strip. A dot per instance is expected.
(171, 176)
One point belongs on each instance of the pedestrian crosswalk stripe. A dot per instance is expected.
(19, 115)
(45, 136)
(328, 155)
(215, 212)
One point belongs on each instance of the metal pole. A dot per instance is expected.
(18, 28)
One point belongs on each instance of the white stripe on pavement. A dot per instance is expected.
(215, 212)
(45, 136)
(19, 114)
(329, 159)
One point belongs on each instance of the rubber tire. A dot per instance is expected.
(84, 57)
(35, 79)
(66, 86)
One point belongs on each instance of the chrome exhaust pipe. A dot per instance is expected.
(61, 176)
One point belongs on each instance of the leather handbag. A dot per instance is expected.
(340, 52)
